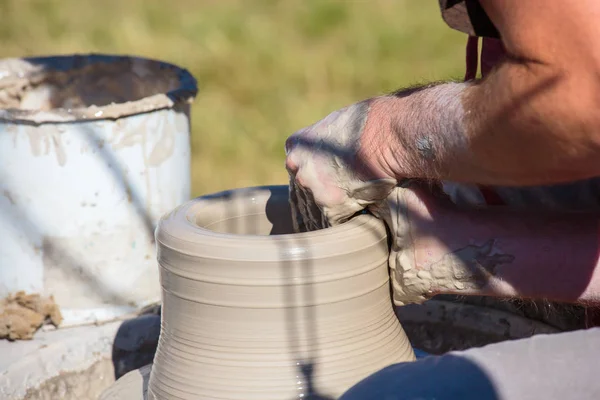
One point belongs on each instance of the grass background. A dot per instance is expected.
(265, 68)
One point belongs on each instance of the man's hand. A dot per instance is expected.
(336, 164)
(353, 158)
(440, 248)
(532, 121)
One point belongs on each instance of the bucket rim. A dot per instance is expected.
(20, 70)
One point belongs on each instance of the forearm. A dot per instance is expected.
(500, 253)
(533, 120)
(522, 125)
(531, 123)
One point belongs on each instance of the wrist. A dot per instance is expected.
(377, 145)
(428, 135)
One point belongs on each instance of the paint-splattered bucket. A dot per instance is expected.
(93, 150)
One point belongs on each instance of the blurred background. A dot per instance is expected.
(265, 68)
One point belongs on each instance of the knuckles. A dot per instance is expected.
(290, 164)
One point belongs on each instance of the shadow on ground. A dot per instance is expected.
(136, 342)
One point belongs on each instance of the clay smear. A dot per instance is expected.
(67, 88)
(21, 315)
(466, 269)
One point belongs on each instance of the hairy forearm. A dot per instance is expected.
(447, 250)
(534, 123)
(525, 124)
(547, 256)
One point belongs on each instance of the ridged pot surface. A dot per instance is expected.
(254, 311)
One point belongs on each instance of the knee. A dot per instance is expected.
(448, 377)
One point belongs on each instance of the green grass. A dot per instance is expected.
(265, 68)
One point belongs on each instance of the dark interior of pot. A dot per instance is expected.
(114, 80)
(260, 211)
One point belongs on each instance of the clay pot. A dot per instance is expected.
(254, 311)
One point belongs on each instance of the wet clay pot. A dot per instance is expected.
(253, 311)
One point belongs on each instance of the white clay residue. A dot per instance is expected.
(48, 141)
(46, 90)
(467, 269)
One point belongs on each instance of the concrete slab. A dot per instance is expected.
(71, 363)
(76, 363)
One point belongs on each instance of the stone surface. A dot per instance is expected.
(68, 364)
(77, 363)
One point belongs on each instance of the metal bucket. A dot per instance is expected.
(93, 150)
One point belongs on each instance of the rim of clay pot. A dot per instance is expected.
(189, 236)
(23, 72)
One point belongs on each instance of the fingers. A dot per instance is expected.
(324, 221)
(290, 144)
(297, 220)
(306, 213)
(297, 197)
(291, 164)
(303, 180)
(319, 162)
(291, 152)
(301, 205)
(304, 209)
(313, 212)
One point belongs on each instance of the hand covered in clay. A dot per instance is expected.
(335, 166)
(335, 172)
(436, 248)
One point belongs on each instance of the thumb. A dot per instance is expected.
(393, 211)
(382, 211)
(373, 190)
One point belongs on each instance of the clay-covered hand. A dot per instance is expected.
(406, 212)
(437, 248)
(336, 167)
